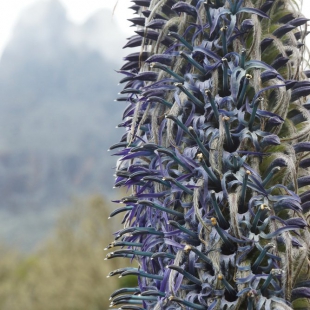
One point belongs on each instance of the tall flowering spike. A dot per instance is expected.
(215, 157)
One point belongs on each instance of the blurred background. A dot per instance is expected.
(57, 120)
(57, 111)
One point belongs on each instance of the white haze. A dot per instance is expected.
(78, 11)
(107, 37)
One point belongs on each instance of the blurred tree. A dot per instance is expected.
(68, 272)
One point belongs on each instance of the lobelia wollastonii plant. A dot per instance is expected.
(215, 157)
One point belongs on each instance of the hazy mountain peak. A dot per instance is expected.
(42, 12)
(44, 29)
(106, 36)
(101, 17)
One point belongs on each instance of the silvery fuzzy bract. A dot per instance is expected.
(215, 157)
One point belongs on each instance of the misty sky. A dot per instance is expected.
(78, 11)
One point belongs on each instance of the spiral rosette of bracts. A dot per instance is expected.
(215, 157)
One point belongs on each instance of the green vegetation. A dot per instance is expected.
(68, 272)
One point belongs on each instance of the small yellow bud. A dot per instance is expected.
(199, 156)
(187, 248)
(213, 221)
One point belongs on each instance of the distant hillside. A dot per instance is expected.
(57, 114)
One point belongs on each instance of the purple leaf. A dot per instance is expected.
(161, 58)
(257, 185)
(290, 84)
(286, 18)
(265, 89)
(297, 221)
(130, 65)
(247, 25)
(305, 196)
(134, 41)
(287, 204)
(302, 147)
(156, 24)
(173, 243)
(296, 243)
(268, 75)
(217, 18)
(136, 154)
(278, 231)
(256, 64)
(207, 52)
(153, 35)
(300, 84)
(146, 76)
(136, 8)
(142, 2)
(164, 283)
(254, 11)
(270, 140)
(275, 121)
(280, 62)
(178, 282)
(269, 114)
(281, 31)
(299, 34)
(265, 43)
(185, 7)
(190, 152)
(305, 163)
(303, 181)
(267, 6)
(307, 73)
(301, 292)
(137, 21)
(299, 21)
(138, 56)
(306, 206)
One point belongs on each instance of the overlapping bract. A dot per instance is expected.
(215, 157)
